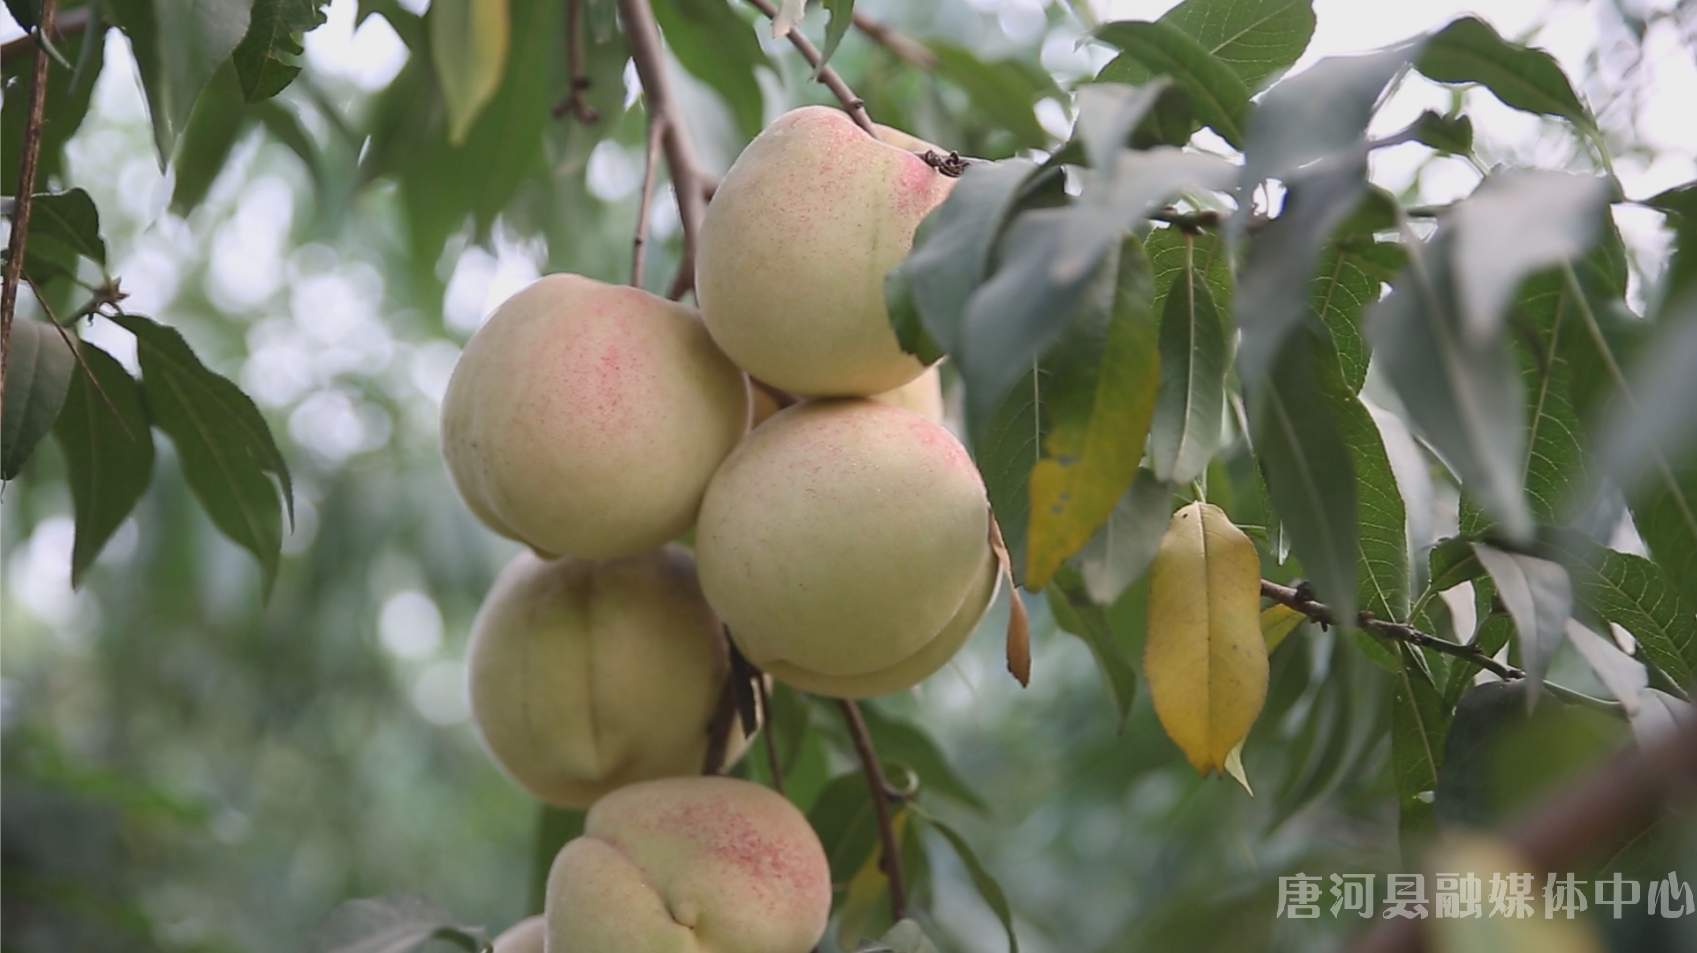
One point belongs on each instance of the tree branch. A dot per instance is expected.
(24, 197)
(688, 180)
(656, 131)
(1612, 806)
(851, 103)
(574, 102)
(904, 48)
(63, 27)
(890, 860)
(1302, 600)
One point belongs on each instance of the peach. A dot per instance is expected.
(690, 864)
(845, 544)
(585, 419)
(795, 245)
(585, 676)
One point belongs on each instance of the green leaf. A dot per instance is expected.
(468, 46)
(981, 879)
(1382, 521)
(225, 445)
(1656, 427)
(71, 219)
(67, 99)
(396, 923)
(723, 50)
(1558, 466)
(1187, 423)
(178, 45)
(1450, 135)
(1539, 597)
(1470, 51)
(1107, 115)
(1514, 224)
(1633, 593)
(1256, 38)
(1309, 474)
(1217, 94)
(905, 937)
(1006, 449)
(107, 443)
(218, 120)
(39, 366)
(1679, 280)
(1346, 283)
(843, 818)
(442, 184)
(1452, 563)
(1466, 397)
(1076, 613)
(1097, 417)
(1005, 91)
(1276, 289)
(1123, 548)
(1319, 113)
(1419, 723)
(842, 17)
(953, 246)
(265, 59)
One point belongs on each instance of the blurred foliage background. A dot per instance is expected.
(190, 768)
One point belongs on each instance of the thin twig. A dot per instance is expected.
(891, 860)
(639, 243)
(905, 48)
(82, 361)
(24, 197)
(64, 27)
(1302, 600)
(575, 103)
(1191, 222)
(649, 56)
(768, 727)
(852, 104)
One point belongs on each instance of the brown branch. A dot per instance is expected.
(656, 131)
(719, 730)
(82, 361)
(24, 197)
(63, 27)
(1610, 807)
(574, 102)
(1302, 600)
(902, 46)
(890, 860)
(646, 52)
(852, 104)
(768, 726)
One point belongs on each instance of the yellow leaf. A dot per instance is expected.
(866, 905)
(1234, 767)
(1097, 419)
(1485, 858)
(1277, 621)
(1205, 658)
(468, 45)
